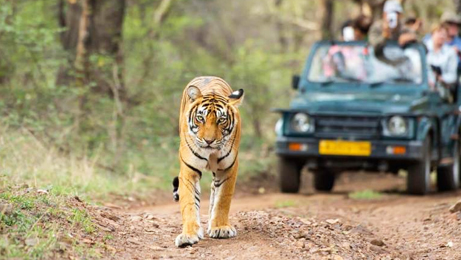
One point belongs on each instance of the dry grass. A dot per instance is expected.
(24, 159)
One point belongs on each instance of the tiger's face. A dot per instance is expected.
(211, 118)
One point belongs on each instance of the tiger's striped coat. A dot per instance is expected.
(210, 129)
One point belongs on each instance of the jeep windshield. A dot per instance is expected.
(358, 64)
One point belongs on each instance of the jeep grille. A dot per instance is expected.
(357, 127)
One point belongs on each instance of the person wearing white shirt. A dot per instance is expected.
(442, 61)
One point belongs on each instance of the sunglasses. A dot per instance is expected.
(452, 23)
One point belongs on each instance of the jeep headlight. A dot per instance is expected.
(302, 123)
(396, 126)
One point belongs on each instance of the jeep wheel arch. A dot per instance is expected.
(431, 129)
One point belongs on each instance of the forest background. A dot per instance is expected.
(90, 89)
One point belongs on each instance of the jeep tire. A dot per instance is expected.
(418, 179)
(289, 175)
(448, 175)
(324, 179)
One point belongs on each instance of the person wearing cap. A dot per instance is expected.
(452, 21)
(390, 28)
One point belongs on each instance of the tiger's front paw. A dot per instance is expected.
(222, 232)
(184, 240)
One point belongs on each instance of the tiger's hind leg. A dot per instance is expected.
(189, 199)
(222, 189)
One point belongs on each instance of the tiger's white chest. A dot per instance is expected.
(216, 160)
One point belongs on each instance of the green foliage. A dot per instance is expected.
(285, 204)
(365, 195)
(78, 140)
(37, 225)
(108, 237)
(22, 202)
(100, 145)
(37, 239)
(81, 219)
(264, 78)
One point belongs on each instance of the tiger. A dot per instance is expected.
(209, 129)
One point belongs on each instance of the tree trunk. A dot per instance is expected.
(93, 28)
(280, 28)
(376, 8)
(257, 128)
(326, 26)
(81, 53)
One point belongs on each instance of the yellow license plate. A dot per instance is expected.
(339, 147)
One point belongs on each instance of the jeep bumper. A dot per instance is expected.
(380, 149)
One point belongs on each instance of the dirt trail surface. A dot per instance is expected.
(304, 226)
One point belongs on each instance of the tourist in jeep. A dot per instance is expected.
(443, 61)
(361, 26)
(390, 28)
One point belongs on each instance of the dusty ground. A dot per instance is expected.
(304, 226)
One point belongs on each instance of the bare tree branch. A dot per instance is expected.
(161, 12)
(303, 24)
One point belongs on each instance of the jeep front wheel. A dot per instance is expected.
(289, 175)
(418, 180)
(448, 175)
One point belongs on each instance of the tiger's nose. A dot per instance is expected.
(209, 141)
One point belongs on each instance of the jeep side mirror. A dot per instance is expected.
(295, 81)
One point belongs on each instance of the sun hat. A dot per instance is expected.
(393, 6)
(450, 17)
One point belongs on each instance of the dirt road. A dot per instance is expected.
(306, 226)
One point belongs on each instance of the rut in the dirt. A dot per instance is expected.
(268, 234)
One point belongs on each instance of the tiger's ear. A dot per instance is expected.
(236, 98)
(193, 92)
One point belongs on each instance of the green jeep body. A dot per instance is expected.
(345, 110)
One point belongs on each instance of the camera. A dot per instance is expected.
(348, 34)
(436, 69)
(392, 20)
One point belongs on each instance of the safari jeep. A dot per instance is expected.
(354, 111)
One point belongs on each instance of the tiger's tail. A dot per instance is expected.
(175, 189)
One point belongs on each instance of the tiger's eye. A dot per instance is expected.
(221, 120)
(200, 118)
